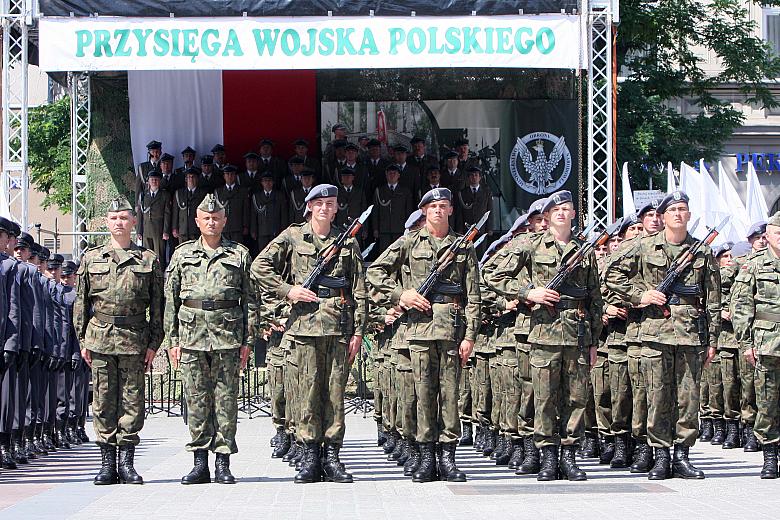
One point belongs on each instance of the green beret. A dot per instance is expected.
(774, 220)
(119, 204)
(211, 204)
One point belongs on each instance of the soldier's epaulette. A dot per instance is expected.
(183, 244)
(237, 245)
(90, 249)
(297, 224)
(651, 234)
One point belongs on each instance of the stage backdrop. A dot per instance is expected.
(234, 108)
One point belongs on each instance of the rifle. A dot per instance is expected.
(329, 253)
(684, 260)
(367, 250)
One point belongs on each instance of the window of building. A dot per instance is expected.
(771, 27)
(49, 244)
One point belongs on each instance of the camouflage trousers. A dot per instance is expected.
(390, 413)
(482, 388)
(118, 398)
(322, 374)
(292, 403)
(509, 375)
(638, 393)
(406, 412)
(747, 375)
(465, 401)
(276, 362)
(712, 380)
(436, 369)
(212, 380)
(525, 411)
(620, 390)
(561, 383)
(767, 426)
(673, 376)
(729, 371)
(602, 397)
(379, 395)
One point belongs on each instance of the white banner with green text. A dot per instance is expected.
(113, 43)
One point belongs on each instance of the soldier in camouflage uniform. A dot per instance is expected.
(382, 333)
(483, 361)
(208, 301)
(326, 325)
(674, 347)
(755, 314)
(563, 332)
(116, 285)
(277, 361)
(440, 329)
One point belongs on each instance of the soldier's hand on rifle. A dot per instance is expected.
(301, 294)
(544, 296)
(354, 347)
(244, 356)
(616, 312)
(711, 351)
(466, 346)
(750, 356)
(149, 359)
(411, 299)
(175, 356)
(86, 355)
(726, 315)
(652, 297)
(512, 305)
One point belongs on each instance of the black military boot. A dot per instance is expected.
(107, 474)
(222, 474)
(643, 458)
(607, 450)
(662, 469)
(479, 439)
(447, 469)
(282, 447)
(17, 450)
(392, 439)
(73, 434)
(291, 453)
(276, 436)
(333, 470)
(200, 473)
(531, 462)
(405, 454)
(29, 446)
(82, 433)
(622, 456)
(47, 440)
(706, 430)
(6, 455)
(62, 437)
(311, 469)
(426, 472)
(682, 467)
(490, 442)
(751, 443)
(398, 450)
(769, 471)
(297, 460)
(467, 435)
(381, 435)
(732, 436)
(518, 454)
(503, 458)
(500, 446)
(127, 472)
(568, 465)
(548, 469)
(411, 465)
(590, 447)
(719, 432)
(40, 447)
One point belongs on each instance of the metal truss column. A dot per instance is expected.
(14, 183)
(600, 123)
(80, 99)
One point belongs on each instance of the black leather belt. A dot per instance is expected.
(135, 319)
(211, 305)
(441, 298)
(327, 292)
(677, 299)
(567, 304)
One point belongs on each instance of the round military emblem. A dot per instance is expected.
(533, 169)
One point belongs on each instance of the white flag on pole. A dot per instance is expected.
(755, 203)
(628, 196)
(739, 217)
(671, 185)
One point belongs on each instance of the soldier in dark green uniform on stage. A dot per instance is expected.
(235, 199)
(184, 206)
(209, 308)
(116, 286)
(154, 220)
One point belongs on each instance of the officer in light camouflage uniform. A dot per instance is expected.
(440, 328)
(562, 339)
(208, 301)
(755, 315)
(674, 346)
(326, 325)
(116, 285)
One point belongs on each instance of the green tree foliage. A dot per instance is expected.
(661, 46)
(49, 153)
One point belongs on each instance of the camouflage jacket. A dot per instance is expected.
(119, 282)
(296, 246)
(522, 325)
(413, 255)
(193, 275)
(727, 276)
(539, 254)
(643, 266)
(755, 304)
(627, 332)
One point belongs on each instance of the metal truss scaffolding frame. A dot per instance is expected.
(80, 110)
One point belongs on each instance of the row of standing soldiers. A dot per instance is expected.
(45, 384)
(268, 193)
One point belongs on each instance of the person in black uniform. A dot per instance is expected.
(267, 213)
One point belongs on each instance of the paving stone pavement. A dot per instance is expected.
(60, 486)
